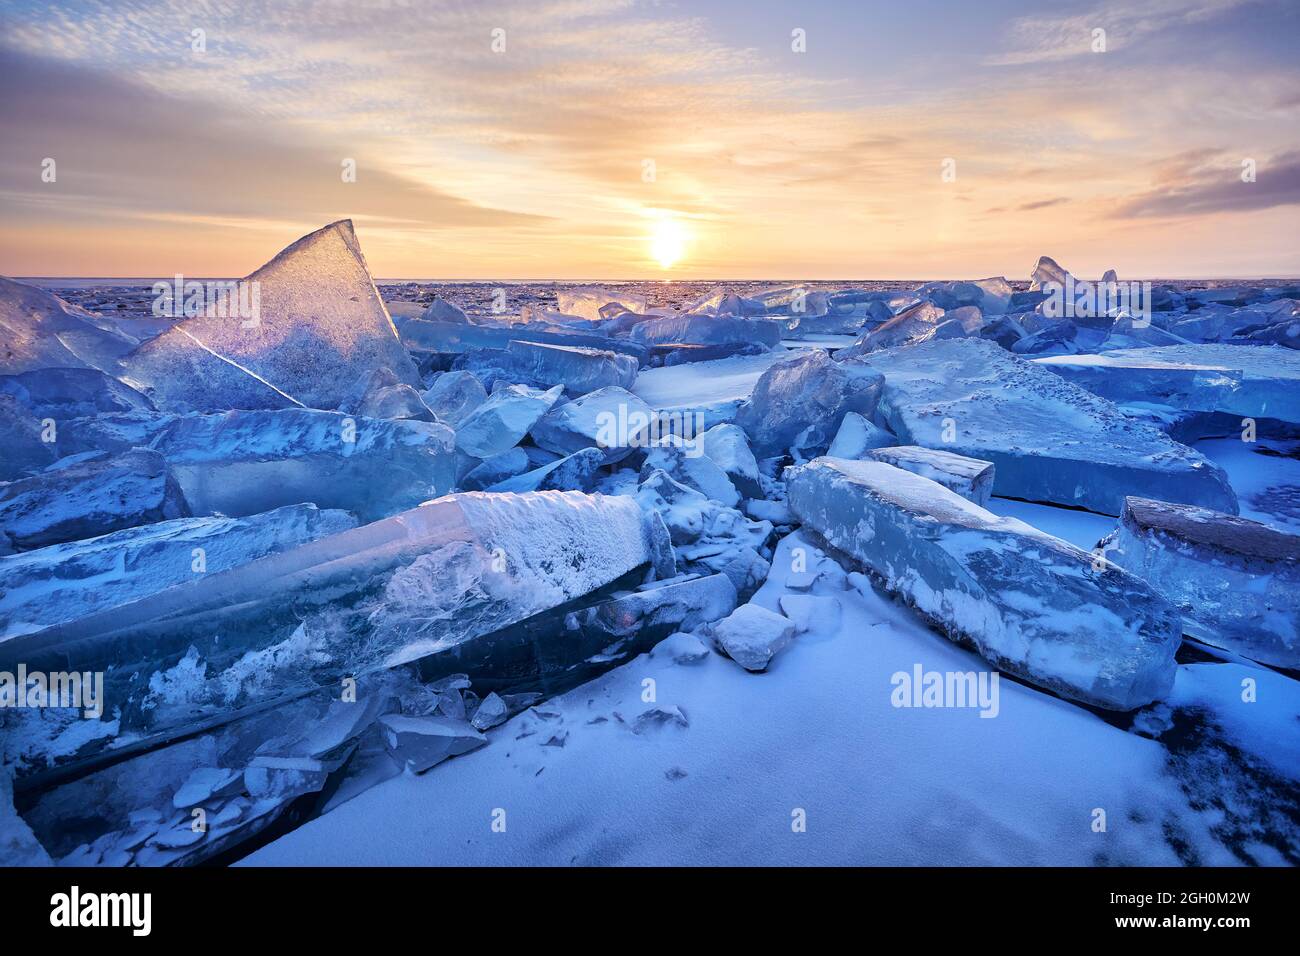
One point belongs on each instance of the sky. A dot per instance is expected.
(648, 139)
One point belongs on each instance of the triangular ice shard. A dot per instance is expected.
(318, 325)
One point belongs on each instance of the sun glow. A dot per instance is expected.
(668, 242)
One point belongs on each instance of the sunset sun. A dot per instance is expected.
(667, 242)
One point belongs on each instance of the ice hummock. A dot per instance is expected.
(38, 330)
(66, 581)
(85, 495)
(321, 325)
(427, 581)
(800, 402)
(1260, 382)
(1048, 439)
(1032, 604)
(1236, 581)
(969, 477)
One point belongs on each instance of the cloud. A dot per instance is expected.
(126, 150)
(1046, 39)
(1216, 187)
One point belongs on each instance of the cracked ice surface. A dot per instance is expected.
(1048, 440)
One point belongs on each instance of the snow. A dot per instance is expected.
(816, 733)
(716, 387)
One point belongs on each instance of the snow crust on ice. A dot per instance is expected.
(1049, 440)
(1032, 604)
(969, 477)
(1254, 381)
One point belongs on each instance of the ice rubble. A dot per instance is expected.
(243, 462)
(454, 395)
(857, 436)
(321, 324)
(593, 302)
(580, 370)
(1259, 382)
(85, 495)
(800, 402)
(576, 472)
(611, 418)
(39, 330)
(63, 393)
(969, 477)
(66, 581)
(752, 636)
(1048, 439)
(1032, 604)
(500, 422)
(1236, 581)
(425, 582)
(727, 447)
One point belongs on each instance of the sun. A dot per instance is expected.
(667, 242)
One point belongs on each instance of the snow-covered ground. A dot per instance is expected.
(660, 762)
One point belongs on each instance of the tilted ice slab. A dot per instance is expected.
(243, 462)
(1048, 439)
(611, 418)
(578, 369)
(800, 402)
(320, 326)
(706, 330)
(1247, 381)
(455, 338)
(1236, 581)
(425, 581)
(39, 330)
(82, 496)
(1031, 604)
(500, 422)
(969, 477)
(66, 581)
